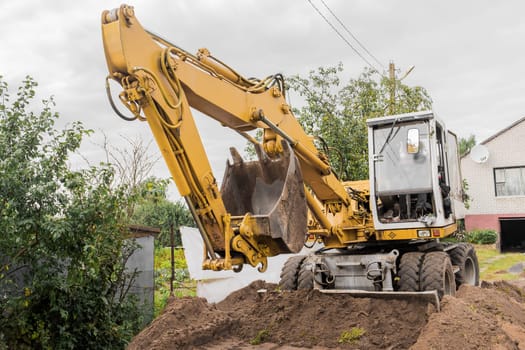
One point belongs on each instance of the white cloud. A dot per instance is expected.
(468, 54)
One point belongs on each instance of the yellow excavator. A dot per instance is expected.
(380, 237)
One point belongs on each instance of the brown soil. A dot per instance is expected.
(488, 317)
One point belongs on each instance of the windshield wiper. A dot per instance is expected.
(389, 136)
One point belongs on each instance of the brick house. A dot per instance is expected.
(497, 187)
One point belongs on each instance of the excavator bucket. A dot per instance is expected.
(272, 192)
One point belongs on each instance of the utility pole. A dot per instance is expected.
(392, 77)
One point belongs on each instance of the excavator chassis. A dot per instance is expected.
(361, 276)
(418, 271)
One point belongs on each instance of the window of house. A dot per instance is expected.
(510, 181)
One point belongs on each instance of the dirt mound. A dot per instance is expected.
(490, 317)
(487, 317)
(307, 318)
(184, 324)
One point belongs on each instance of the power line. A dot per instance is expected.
(342, 37)
(351, 34)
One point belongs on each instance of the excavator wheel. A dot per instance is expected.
(437, 274)
(409, 269)
(464, 257)
(290, 272)
(305, 278)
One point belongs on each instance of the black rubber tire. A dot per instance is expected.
(464, 256)
(290, 272)
(437, 274)
(305, 279)
(409, 272)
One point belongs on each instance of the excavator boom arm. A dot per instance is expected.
(161, 82)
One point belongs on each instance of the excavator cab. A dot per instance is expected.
(414, 178)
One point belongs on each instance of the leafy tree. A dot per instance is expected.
(336, 113)
(466, 144)
(149, 205)
(62, 249)
(133, 164)
(154, 209)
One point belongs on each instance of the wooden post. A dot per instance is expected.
(172, 244)
(392, 77)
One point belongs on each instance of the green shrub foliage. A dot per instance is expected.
(62, 247)
(481, 236)
(152, 208)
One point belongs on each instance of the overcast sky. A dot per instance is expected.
(469, 55)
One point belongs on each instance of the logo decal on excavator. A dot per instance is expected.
(392, 235)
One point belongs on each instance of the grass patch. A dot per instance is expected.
(493, 265)
(260, 337)
(182, 284)
(351, 336)
(486, 251)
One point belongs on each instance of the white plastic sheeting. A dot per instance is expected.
(216, 285)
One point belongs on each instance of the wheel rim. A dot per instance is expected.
(447, 290)
(469, 272)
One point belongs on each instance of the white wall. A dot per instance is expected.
(505, 150)
(142, 261)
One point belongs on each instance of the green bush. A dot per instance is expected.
(62, 248)
(481, 236)
(155, 210)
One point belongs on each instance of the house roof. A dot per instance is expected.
(137, 231)
(503, 131)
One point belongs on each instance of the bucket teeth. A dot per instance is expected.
(236, 157)
(261, 155)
